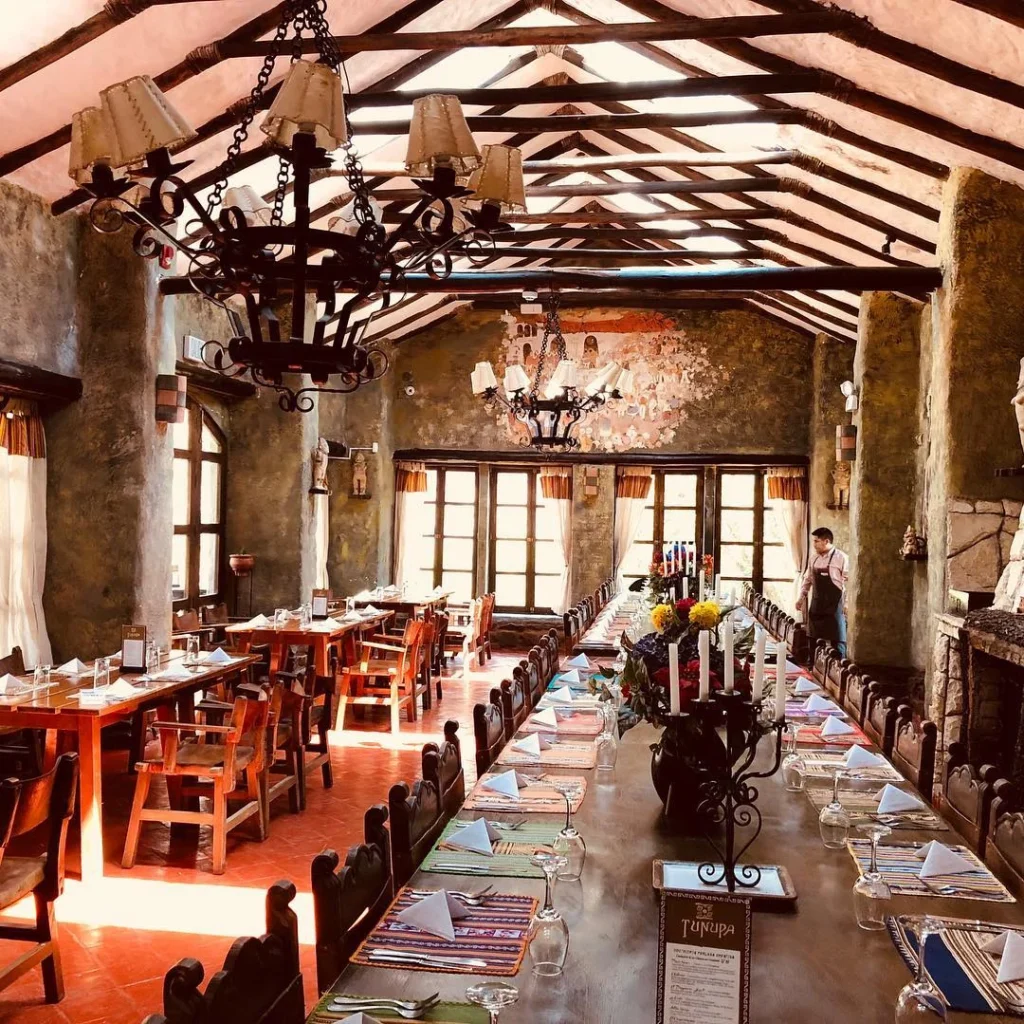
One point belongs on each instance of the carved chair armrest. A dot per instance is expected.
(382, 647)
(193, 727)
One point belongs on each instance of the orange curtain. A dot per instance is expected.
(21, 430)
(556, 482)
(633, 482)
(410, 478)
(787, 483)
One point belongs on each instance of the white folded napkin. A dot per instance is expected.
(941, 860)
(547, 718)
(804, 685)
(563, 695)
(505, 782)
(435, 914)
(580, 661)
(1011, 967)
(572, 676)
(893, 800)
(363, 595)
(923, 852)
(836, 727)
(74, 667)
(818, 703)
(359, 1018)
(327, 624)
(996, 944)
(11, 684)
(352, 616)
(476, 837)
(529, 745)
(858, 757)
(259, 620)
(218, 657)
(370, 610)
(122, 689)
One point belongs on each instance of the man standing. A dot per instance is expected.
(825, 582)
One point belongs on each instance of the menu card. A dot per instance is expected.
(321, 599)
(133, 648)
(703, 959)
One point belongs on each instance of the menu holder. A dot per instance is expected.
(320, 602)
(703, 959)
(133, 649)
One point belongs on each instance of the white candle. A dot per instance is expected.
(704, 649)
(780, 681)
(727, 643)
(700, 584)
(757, 688)
(673, 678)
(686, 587)
(718, 584)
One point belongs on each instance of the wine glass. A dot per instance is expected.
(834, 822)
(871, 893)
(192, 651)
(549, 934)
(607, 742)
(570, 847)
(493, 996)
(793, 766)
(920, 1000)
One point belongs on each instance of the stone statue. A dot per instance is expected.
(1018, 403)
(359, 474)
(914, 545)
(841, 485)
(319, 461)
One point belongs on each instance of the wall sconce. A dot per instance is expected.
(851, 395)
(846, 444)
(170, 398)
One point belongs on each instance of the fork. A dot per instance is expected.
(473, 899)
(347, 1009)
(355, 1002)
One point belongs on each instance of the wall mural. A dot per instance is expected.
(671, 372)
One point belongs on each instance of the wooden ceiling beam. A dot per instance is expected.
(1005, 10)
(580, 253)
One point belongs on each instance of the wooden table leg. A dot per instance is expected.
(91, 797)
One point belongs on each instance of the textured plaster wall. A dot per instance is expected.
(929, 505)
(593, 519)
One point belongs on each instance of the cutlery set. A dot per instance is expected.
(410, 1009)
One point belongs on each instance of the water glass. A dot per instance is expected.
(834, 821)
(549, 934)
(306, 616)
(280, 617)
(920, 1001)
(570, 848)
(100, 672)
(608, 742)
(493, 996)
(41, 676)
(793, 766)
(192, 651)
(152, 658)
(872, 896)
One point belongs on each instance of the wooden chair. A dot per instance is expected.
(21, 750)
(570, 629)
(417, 820)
(855, 694)
(1004, 846)
(880, 719)
(516, 703)
(489, 732)
(913, 749)
(462, 633)
(387, 673)
(349, 900)
(552, 644)
(483, 640)
(966, 796)
(231, 768)
(260, 982)
(25, 806)
(442, 765)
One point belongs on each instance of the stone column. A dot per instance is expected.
(593, 520)
(886, 373)
(832, 364)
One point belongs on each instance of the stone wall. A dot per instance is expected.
(946, 694)
(979, 535)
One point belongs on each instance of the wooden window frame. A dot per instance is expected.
(440, 500)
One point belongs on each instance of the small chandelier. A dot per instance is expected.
(551, 418)
(240, 252)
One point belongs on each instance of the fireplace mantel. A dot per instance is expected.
(998, 634)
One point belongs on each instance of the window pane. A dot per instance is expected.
(646, 529)
(738, 490)
(781, 594)
(680, 489)
(181, 491)
(418, 519)
(209, 440)
(510, 522)
(209, 493)
(738, 560)
(179, 567)
(457, 554)
(420, 581)
(181, 431)
(512, 488)
(209, 554)
(547, 591)
(737, 526)
(459, 583)
(681, 525)
(547, 522)
(509, 591)
(460, 485)
(638, 560)
(430, 494)
(459, 520)
(510, 555)
(777, 563)
(772, 529)
(548, 557)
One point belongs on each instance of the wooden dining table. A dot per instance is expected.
(810, 964)
(60, 709)
(407, 604)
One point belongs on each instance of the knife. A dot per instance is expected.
(424, 959)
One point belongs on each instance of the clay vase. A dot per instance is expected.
(241, 565)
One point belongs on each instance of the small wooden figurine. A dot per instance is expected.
(359, 475)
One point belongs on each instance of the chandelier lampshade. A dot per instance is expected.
(440, 137)
(347, 223)
(141, 120)
(482, 378)
(516, 379)
(254, 207)
(310, 100)
(91, 144)
(499, 178)
(605, 379)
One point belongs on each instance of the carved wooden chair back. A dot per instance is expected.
(443, 766)
(14, 663)
(186, 619)
(553, 651)
(483, 640)
(215, 614)
(1004, 846)
(966, 796)
(913, 749)
(819, 667)
(880, 720)
(417, 820)
(856, 694)
(489, 733)
(515, 702)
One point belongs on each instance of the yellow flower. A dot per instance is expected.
(705, 614)
(663, 616)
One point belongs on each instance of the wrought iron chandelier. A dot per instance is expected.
(551, 415)
(239, 251)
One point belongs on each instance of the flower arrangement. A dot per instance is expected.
(663, 618)
(705, 615)
(708, 565)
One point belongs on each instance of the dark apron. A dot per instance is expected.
(826, 620)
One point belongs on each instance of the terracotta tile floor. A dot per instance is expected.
(119, 938)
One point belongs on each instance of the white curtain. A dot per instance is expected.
(410, 487)
(556, 487)
(23, 538)
(632, 487)
(787, 498)
(321, 534)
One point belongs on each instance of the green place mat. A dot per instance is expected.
(511, 856)
(443, 1013)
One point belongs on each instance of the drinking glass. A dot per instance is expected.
(192, 651)
(607, 742)
(41, 676)
(920, 1000)
(834, 822)
(792, 764)
(306, 618)
(871, 894)
(493, 996)
(549, 934)
(280, 617)
(152, 658)
(569, 846)
(100, 672)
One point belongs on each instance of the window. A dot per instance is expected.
(197, 491)
(444, 522)
(526, 555)
(673, 513)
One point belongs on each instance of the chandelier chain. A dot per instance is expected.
(552, 334)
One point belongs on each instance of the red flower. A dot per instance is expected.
(627, 691)
(683, 609)
(658, 556)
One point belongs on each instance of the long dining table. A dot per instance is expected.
(59, 708)
(810, 964)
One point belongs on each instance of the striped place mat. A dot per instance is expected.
(811, 736)
(558, 755)
(962, 971)
(496, 932)
(574, 725)
(582, 704)
(795, 712)
(539, 797)
(583, 686)
(511, 853)
(441, 1013)
(866, 802)
(899, 865)
(820, 764)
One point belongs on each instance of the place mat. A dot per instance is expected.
(558, 755)
(583, 686)
(820, 764)
(584, 703)
(811, 736)
(960, 969)
(511, 855)
(496, 932)
(574, 725)
(538, 798)
(899, 865)
(866, 802)
(441, 1013)
(795, 712)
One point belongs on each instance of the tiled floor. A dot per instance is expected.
(118, 939)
